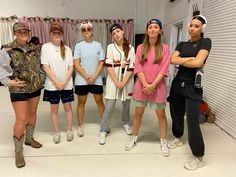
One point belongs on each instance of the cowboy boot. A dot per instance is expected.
(29, 140)
(19, 157)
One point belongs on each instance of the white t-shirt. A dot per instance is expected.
(51, 55)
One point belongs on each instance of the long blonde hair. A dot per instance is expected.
(146, 48)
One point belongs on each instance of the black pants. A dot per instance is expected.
(185, 98)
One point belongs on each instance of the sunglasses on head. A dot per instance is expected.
(86, 29)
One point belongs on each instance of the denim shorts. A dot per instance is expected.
(24, 96)
(55, 96)
(152, 105)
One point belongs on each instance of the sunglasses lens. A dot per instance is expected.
(86, 29)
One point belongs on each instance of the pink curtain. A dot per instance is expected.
(40, 27)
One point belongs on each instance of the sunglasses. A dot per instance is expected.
(86, 29)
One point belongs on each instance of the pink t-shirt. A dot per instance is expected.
(150, 71)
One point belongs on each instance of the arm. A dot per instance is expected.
(126, 78)
(92, 79)
(52, 77)
(68, 74)
(112, 74)
(177, 60)
(198, 61)
(80, 70)
(6, 71)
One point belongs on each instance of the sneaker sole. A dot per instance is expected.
(176, 146)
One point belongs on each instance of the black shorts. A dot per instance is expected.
(54, 97)
(85, 89)
(24, 96)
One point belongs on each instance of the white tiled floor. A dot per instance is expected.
(84, 157)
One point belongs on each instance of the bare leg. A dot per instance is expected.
(68, 112)
(162, 122)
(80, 109)
(137, 119)
(100, 105)
(54, 116)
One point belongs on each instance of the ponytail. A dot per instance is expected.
(126, 48)
(63, 50)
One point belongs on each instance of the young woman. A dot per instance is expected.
(57, 62)
(151, 67)
(20, 71)
(88, 62)
(186, 91)
(119, 83)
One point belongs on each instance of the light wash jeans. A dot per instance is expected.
(109, 106)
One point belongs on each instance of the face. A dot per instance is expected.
(195, 28)
(22, 35)
(56, 36)
(87, 31)
(118, 34)
(153, 30)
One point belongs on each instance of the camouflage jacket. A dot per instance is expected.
(26, 66)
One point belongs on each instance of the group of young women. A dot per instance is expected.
(21, 71)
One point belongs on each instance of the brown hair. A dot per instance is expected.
(126, 48)
(146, 48)
(63, 50)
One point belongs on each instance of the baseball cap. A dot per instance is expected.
(115, 26)
(56, 27)
(20, 26)
(86, 24)
(154, 21)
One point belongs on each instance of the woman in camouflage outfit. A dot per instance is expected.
(20, 71)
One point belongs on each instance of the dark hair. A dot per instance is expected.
(126, 48)
(34, 40)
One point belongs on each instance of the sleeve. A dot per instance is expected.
(109, 55)
(77, 52)
(131, 59)
(5, 68)
(178, 47)
(164, 65)
(138, 66)
(44, 58)
(101, 53)
(206, 44)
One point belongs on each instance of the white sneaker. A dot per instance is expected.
(80, 131)
(174, 143)
(102, 138)
(127, 129)
(164, 149)
(57, 137)
(69, 135)
(132, 143)
(193, 164)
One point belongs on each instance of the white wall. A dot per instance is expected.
(140, 10)
(175, 12)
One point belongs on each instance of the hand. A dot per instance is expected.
(60, 85)
(119, 85)
(91, 80)
(17, 83)
(149, 88)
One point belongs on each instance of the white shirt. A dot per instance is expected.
(51, 55)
